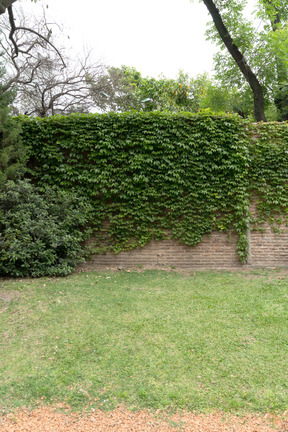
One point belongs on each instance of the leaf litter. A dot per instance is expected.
(50, 419)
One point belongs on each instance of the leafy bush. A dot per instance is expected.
(40, 230)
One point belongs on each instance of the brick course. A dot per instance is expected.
(216, 251)
(268, 248)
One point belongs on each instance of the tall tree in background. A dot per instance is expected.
(4, 4)
(12, 151)
(258, 52)
(7, 6)
(47, 82)
(126, 89)
(54, 89)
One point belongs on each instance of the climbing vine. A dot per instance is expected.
(268, 174)
(148, 175)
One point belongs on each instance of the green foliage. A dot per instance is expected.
(161, 94)
(263, 40)
(163, 175)
(269, 172)
(40, 231)
(126, 89)
(222, 98)
(148, 175)
(12, 151)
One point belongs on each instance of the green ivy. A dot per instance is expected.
(268, 174)
(148, 175)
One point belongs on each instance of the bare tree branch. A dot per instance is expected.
(35, 68)
(27, 29)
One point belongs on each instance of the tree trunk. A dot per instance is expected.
(4, 4)
(240, 61)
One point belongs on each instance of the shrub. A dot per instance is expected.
(41, 231)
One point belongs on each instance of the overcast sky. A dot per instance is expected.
(155, 36)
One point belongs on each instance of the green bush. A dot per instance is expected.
(40, 230)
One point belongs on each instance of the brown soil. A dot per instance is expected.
(47, 419)
(6, 297)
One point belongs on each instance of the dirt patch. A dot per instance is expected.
(6, 296)
(47, 419)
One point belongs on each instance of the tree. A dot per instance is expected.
(257, 52)
(47, 83)
(4, 4)
(220, 98)
(12, 151)
(118, 92)
(56, 90)
(126, 89)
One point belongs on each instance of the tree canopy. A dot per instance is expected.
(251, 65)
(125, 89)
(253, 51)
(12, 150)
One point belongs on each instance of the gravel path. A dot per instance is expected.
(47, 419)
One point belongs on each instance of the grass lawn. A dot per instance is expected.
(162, 340)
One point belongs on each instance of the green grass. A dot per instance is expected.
(212, 340)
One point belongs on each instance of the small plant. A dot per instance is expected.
(40, 231)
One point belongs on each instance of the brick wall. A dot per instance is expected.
(216, 251)
(268, 249)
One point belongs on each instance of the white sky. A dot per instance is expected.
(154, 36)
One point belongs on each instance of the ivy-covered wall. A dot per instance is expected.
(160, 175)
(268, 174)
